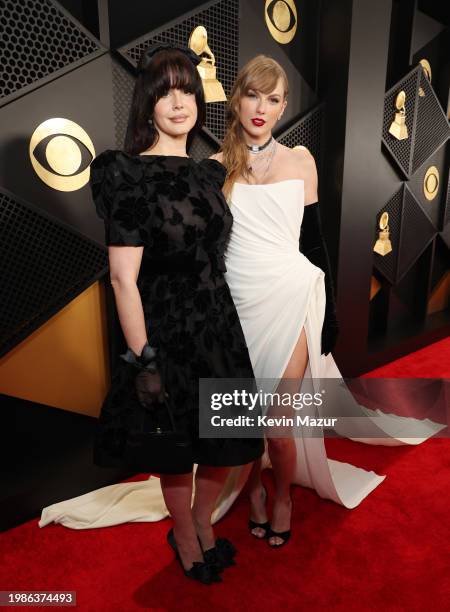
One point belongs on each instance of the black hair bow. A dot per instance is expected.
(151, 51)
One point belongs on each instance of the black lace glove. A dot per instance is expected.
(148, 382)
(312, 245)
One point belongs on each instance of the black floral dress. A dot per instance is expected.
(174, 208)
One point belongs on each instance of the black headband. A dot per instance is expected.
(151, 51)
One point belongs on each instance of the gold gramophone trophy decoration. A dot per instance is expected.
(398, 128)
(198, 42)
(383, 245)
(426, 67)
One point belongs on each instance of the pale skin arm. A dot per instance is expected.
(124, 265)
(309, 172)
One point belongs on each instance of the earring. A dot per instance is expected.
(150, 121)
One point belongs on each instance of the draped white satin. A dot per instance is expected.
(277, 292)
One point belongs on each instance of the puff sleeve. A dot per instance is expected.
(118, 201)
(216, 171)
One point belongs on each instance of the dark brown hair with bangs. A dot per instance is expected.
(261, 73)
(168, 68)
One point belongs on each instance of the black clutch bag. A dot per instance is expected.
(154, 443)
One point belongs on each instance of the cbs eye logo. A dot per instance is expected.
(281, 19)
(60, 153)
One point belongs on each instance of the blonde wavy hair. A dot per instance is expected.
(260, 73)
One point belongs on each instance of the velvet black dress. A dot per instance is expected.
(173, 207)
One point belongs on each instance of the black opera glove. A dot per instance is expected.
(312, 245)
(148, 382)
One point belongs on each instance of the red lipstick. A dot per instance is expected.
(258, 121)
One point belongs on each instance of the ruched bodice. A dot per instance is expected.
(271, 281)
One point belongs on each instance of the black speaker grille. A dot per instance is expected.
(43, 265)
(221, 21)
(37, 39)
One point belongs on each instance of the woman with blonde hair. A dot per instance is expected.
(272, 192)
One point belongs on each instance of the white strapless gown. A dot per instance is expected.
(277, 291)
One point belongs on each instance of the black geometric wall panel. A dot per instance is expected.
(427, 124)
(445, 235)
(43, 265)
(123, 85)
(221, 20)
(202, 147)
(446, 216)
(39, 39)
(416, 232)
(432, 208)
(410, 232)
(432, 127)
(309, 132)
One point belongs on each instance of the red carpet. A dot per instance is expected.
(390, 553)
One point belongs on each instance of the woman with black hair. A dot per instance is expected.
(166, 223)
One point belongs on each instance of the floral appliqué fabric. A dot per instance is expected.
(174, 208)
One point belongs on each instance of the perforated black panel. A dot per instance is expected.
(123, 85)
(37, 40)
(221, 21)
(416, 233)
(201, 148)
(387, 264)
(43, 265)
(432, 128)
(410, 232)
(401, 150)
(427, 125)
(309, 132)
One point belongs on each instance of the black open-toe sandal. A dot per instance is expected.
(284, 535)
(202, 571)
(254, 525)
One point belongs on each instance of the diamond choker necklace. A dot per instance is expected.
(257, 148)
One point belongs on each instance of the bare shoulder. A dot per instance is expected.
(300, 158)
(217, 156)
(304, 163)
(305, 157)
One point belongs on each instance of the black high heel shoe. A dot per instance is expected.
(284, 535)
(221, 555)
(253, 524)
(201, 570)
